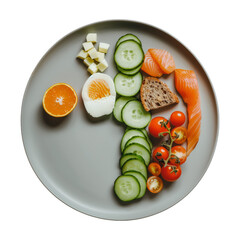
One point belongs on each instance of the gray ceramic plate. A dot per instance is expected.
(77, 158)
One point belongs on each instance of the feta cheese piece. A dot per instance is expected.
(87, 46)
(103, 47)
(82, 54)
(88, 61)
(93, 53)
(92, 68)
(100, 57)
(91, 37)
(103, 65)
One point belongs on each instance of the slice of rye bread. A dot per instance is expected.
(156, 94)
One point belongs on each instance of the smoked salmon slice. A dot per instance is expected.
(164, 60)
(150, 66)
(187, 86)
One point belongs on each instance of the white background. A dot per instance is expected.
(210, 29)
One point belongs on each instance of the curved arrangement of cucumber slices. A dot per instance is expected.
(136, 153)
(129, 57)
(135, 145)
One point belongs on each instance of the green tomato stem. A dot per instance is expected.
(168, 145)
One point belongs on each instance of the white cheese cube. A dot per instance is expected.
(100, 57)
(93, 53)
(88, 61)
(87, 46)
(82, 54)
(92, 68)
(102, 66)
(103, 47)
(91, 37)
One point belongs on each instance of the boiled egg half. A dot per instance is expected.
(99, 95)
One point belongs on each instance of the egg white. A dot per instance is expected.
(102, 106)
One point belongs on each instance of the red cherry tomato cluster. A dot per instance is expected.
(169, 155)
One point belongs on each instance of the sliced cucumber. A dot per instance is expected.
(142, 181)
(140, 140)
(134, 115)
(144, 131)
(128, 37)
(128, 135)
(150, 143)
(135, 165)
(130, 72)
(129, 128)
(139, 150)
(126, 187)
(145, 134)
(119, 104)
(128, 55)
(129, 156)
(126, 85)
(147, 137)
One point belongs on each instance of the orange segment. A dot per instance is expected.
(98, 89)
(59, 100)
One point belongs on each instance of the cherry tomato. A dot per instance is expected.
(154, 169)
(179, 134)
(171, 173)
(178, 155)
(156, 126)
(154, 184)
(177, 118)
(159, 154)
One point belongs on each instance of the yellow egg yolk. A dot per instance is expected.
(98, 89)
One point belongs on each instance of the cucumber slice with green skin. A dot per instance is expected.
(129, 72)
(142, 181)
(128, 36)
(128, 135)
(139, 150)
(119, 104)
(145, 134)
(134, 115)
(144, 131)
(126, 187)
(150, 143)
(135, 165)
(129, 156)
(128, 55)
(147, 137)
(126, 85)
(140, 140)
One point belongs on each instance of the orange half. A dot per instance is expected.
(59, 100)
